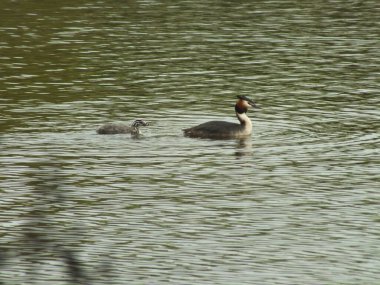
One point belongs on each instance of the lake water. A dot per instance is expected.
(296, 203)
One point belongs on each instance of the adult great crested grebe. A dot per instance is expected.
(111, 129)
(226, 130)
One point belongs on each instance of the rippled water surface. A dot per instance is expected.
(296, 203)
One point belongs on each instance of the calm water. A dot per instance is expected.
(297, 203)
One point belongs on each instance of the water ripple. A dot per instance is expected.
(296, 203)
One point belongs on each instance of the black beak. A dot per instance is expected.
(253, 104)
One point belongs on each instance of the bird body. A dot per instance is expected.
(111, 128)
(226, 130)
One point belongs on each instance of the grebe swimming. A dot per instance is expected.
(226, 130)
(111, 129)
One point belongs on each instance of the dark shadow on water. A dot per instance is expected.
(40, 241)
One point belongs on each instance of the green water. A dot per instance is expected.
(296, 203)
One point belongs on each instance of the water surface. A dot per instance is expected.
(296, 203)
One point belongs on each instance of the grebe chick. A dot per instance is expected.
(111, 129)
(226, 130)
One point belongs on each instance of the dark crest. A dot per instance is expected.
(242, 97)
(250, 102)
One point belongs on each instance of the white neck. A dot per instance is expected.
(245, 121)
(136, 130)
